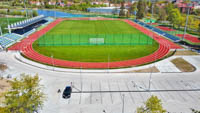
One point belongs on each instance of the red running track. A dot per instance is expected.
(189, 38)
(165, 28)
(26, 48)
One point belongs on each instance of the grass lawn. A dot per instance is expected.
(114, 48)
(4, 22)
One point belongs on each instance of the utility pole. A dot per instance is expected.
(185, 29)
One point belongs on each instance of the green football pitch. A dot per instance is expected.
(95, 41)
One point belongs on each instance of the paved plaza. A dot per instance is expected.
(100, 92)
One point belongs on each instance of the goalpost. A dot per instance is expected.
(96, 41)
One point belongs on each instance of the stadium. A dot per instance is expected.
(108, 64)
(94, 43)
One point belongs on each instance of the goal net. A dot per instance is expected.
(96, 41)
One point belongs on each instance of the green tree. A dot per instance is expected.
(169, 8)
(122, 10)
(199, 30)
(35, 13)
(197, 11)
(175, 17)
(141, 9)
(133, 8)
(162, 15)
(152, 105)
(194, 110)
(25, 95)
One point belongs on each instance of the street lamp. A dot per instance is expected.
(25, 8)
(123, 103)
(52, 61)
(152, 6)
(186, 22)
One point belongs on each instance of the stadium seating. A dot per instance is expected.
(4, 42)
(26, 22)
(49, 20)
(169, 36)
(13, 36)
(29, 32)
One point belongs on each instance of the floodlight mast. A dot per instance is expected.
(186, 22)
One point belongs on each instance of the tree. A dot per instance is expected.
(199, 30)
(197, 11)
(25, 95)
(122, 12)
(35, 13)
(194, 110)
(162, 14)
(169, 8)
(152, 105)
(175, 17)
(141, 9)
(133, 8)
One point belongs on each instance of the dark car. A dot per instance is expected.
(67, 92)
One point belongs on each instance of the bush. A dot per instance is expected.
(35, 13)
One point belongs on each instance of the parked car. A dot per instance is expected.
(67, 92)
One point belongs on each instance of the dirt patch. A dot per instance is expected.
(183, 65)
(3, 67)
(146, 70)
(4, 86)
(185, 53)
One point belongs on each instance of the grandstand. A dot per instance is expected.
(25, 23)
(160, 32)
(22, 29)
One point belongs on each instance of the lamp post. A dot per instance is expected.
(25, 8)
(123, 103)
(186, 22)
(152, 6)
(1, 31)
(52, 61)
